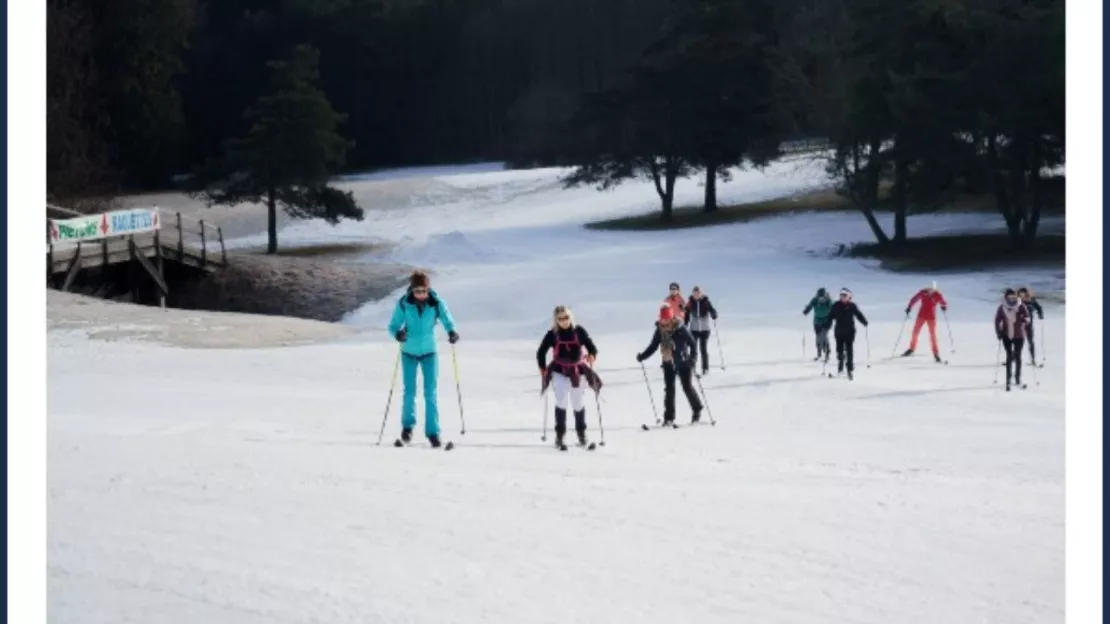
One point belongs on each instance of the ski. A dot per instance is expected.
(670, 425)
(399, 443)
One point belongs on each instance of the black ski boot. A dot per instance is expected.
(936, 356)
(406, 435)
(849, 375)
(434, 441)
(696, 416)
(580, 426)
(907, 353)
(560, 428)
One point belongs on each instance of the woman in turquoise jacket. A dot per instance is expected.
(413, 325)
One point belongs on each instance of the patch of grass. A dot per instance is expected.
(825, 200)
(961, 252)
(325, 250)
(690, 217)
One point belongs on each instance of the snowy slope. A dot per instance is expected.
(916, 493)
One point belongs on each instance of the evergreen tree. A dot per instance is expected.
(286, 154)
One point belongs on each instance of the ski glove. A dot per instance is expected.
(907, 311)
(640, 357)
(453, 337)
(401, 335)
(943, 308)
(713, 316)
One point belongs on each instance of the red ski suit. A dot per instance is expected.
(927, 314)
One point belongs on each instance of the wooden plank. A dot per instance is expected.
(180, 239)
(203, 244)
(149, 268)
(161, 269)
(117, 250)
(74, 267)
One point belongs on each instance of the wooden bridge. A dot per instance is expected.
(97, 243)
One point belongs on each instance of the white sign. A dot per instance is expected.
(115, 223)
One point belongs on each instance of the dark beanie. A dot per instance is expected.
(1009, 291)
(419, 279)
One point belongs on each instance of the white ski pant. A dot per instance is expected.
(563, 391)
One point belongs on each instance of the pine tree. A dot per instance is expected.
(287, 152)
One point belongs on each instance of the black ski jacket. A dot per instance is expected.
(845, 315)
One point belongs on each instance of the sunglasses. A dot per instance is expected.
(419, 291)
(563, 318)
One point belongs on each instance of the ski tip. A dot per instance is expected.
(398, 443)
(448, 446)
(645, 427)
(591, 447)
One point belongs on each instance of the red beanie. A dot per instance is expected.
(666, 313)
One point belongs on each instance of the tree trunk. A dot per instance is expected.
(711, 186)
(870, 193)
(901, 199)
(271, 217)
(1001, 188)
(1034, 220)
(668, 198)
(666, 195)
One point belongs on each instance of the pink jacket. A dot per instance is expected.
(1010, 321)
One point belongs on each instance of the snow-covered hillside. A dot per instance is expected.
(256, 493)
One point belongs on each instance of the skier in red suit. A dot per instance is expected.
(930, 298)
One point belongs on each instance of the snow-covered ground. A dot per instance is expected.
(244, 484)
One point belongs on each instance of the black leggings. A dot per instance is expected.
(844, 351)
(1013, 357)
(703, 344)
(684, 375)
(1032, 350)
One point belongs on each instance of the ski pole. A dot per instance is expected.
(894, 351)
(867, 337)
(951, 343)
(1035, 381)
(600, 422)
(458, 389)
(543, 437)
(705, 399)
(1043, 356)
(998, 359)
(651, 396)
(803, 345)
(720, 351)
(388, 401)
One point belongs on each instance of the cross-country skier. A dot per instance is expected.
(698, 312)
(929, 297)
(676, 301)
(566, 370)
(1010, 323)
(844, 313)
(1026, 296)
(679, 354)
(413, 325)
(820, 304)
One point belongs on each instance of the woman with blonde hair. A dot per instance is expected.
(568, 366)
